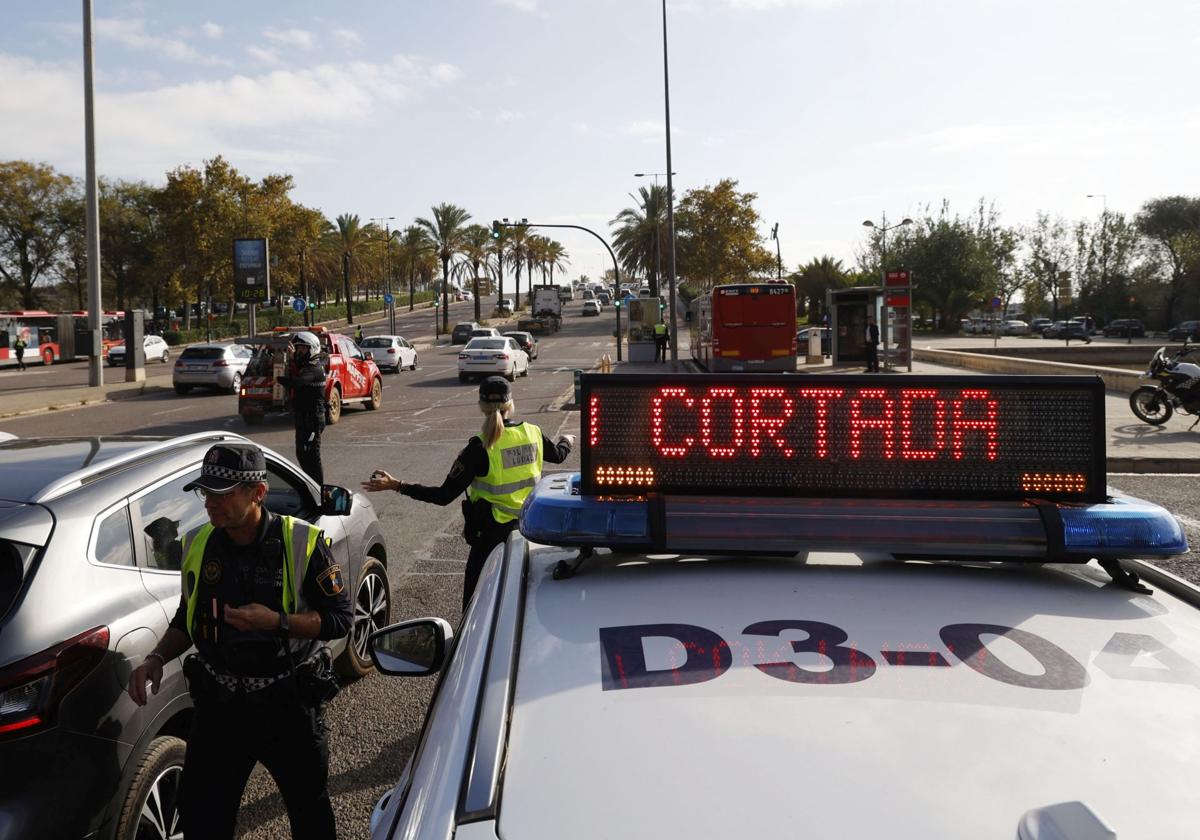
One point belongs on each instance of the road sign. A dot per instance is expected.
(389, 299)
(896, 278)
(995, 303)
(298, 304)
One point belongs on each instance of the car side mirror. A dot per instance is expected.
(335, 501)
(414, 648)
(368, 355)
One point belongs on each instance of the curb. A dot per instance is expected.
(1154, 465)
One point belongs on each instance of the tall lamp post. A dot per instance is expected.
(778, 253)
(1104, 260)
(387, 270)
(657, 236)
(883, 227)
(670, 193)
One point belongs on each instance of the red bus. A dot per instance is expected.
(50, 336)
(745, 328)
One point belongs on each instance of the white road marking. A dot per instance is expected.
(171, 411)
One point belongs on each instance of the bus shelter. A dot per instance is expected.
(848, 312)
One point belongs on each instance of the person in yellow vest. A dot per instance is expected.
(661, 337)
(261, 596)
(497, 469)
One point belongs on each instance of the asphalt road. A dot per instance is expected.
(426, 417)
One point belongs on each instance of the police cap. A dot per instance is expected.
(495, 389)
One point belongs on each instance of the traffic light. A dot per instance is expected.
(312, 304)
(495, 229)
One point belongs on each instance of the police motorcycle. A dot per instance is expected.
(1178, 388)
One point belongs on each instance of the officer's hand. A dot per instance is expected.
(151, 669)
(570, 439)
(252, 617)
(380, 480)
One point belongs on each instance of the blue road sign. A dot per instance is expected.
(298, 304)
(388, 299)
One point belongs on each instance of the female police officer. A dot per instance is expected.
(497, 469)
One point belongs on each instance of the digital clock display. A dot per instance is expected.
(915, 437)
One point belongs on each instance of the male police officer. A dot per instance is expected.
(307, 381)
(661, 337)
(19, 349)
(261, 595)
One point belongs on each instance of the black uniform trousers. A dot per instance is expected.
(227, 738)
(481, 549)
(660, 348)
(873, 358)
(308, 447)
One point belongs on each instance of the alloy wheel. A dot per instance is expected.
(370, 612)
(160, 815)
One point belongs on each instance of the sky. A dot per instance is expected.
(831, 111)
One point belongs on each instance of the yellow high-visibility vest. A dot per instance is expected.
(514, 466)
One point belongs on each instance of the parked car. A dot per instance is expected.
(591, 307)
(90, 552)
(1067, 329)
(1015, 327)
(1036, 325)
(506, 306)
(461, 333)
(219, 366)
(1124, 328)
(352, 377)
(802, 340)
(528, 342)
(155, 349)
(390, 352)
(485, 332)
(492, 356)
(1184, 329)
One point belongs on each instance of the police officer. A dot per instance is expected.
(307, 381)
(497, 469)
(261, 596)
(358, 334)
(661, 337)
(19, 349)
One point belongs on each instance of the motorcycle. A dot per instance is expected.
(1178, 388)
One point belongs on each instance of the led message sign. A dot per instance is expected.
(931, 437)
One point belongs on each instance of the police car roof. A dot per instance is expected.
(685, 697)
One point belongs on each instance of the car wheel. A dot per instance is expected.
(166, 356)
(237, 383)
(372, 611)
(413, 366)
(376, 395)
(511, 376)
(334, 413)
(151, 807)
(183, 389)
(47, 357)
(525, 371)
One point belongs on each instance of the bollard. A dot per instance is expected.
(578, 386)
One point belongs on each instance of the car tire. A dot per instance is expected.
(413, 366)
(376, 395)
(47, 357)
(237, 383)
(372, 605)
(334, 413)
(183, 389)
(151, 807)
(525, 372)
(511, 376)
(166, 356)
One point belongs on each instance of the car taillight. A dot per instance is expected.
(221, 363)
(463, 356)
(32, 689)
(179, 363)
(391, 351)
(501, 356)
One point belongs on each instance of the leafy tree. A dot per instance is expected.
(415, 247)
(475, 248)
(1173, 225)
(445, 229)
(128, 237)
(35, 215)
(1105, 252)
(641, 237)
(353, 240)
(1048, 261)
(555, 256)
(820, 275)
(717, 229)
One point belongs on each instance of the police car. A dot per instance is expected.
(821, 606)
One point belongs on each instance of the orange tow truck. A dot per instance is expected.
(351, 375)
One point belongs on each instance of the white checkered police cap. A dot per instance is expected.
(227, 465)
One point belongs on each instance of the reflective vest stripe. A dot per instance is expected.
(299, 541)
(505, 488)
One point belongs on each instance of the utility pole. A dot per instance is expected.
(670, 194)
(92, 205)
(778, 254)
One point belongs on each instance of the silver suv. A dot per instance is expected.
(89, 577)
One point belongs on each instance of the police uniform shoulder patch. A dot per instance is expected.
(211, 571)
(330, 580)
(456, 469)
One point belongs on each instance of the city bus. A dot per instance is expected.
(50, 336)
(745, 328)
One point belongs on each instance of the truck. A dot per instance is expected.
(546, 313)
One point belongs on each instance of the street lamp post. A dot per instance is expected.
(778, 253)
(387, 270)
(670, 192)
(92, 204)
(883, 227)
(498, 223)
(657, 236)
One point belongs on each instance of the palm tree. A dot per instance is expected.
(640, 237)
(535, 254)
(352, 240)
(556, 257)
(497, 248)
(518, 247)
(413, 244)
(475, 248)
(446, 230)
(816, 278)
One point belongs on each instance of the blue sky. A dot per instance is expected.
(832, 111)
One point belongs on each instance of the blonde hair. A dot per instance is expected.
(494, 415)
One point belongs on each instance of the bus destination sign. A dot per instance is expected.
(852, 436)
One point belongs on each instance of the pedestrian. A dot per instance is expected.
(306, 378)
(871, 337)
(358, 334)
(661, 336)
(261, 597)
(19, 350)
(497, 469)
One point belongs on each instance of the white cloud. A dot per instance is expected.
(444, 74)
(347, 37)
(264, 55)
(131, 32)
(582, 128)
(509, 116)
(519, 5)
(645, 128)
(760, 5)
(291, 37)
(1070, 139)
(271, 117)
(212, 30)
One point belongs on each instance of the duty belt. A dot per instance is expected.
(233, 683)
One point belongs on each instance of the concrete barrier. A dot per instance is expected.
(1115, 379)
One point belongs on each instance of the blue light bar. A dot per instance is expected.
(1126, 527)
(556, 514)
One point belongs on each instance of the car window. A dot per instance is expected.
(112, 544)
(377, 342)
(284, 494)
(485, 344)
(165, 514)
(198, 353)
